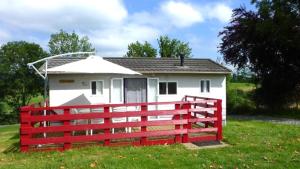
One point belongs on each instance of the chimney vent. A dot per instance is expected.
(181, 60)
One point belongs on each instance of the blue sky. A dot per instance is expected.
(112, 25)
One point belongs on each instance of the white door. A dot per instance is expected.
(152, 90)
(152, 95)
(116, 92)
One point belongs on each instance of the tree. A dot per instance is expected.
(173, 47)
(63, 42)
(18, 83)
(140, 50)
(267, 41)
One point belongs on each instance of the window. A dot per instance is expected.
(162, 88)
(172, 88)
(167, 88)
(97, 87)
(205, 86)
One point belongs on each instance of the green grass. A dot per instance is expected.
(246, 87)
(252, 145)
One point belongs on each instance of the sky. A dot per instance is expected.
(113, 24)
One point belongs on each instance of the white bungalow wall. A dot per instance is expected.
(187, 84)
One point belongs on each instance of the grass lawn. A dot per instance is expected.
(252, 145)
(246, 87)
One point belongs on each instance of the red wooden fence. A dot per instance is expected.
(190, 120)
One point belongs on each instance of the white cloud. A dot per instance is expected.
(116, 40)
(55, 14)
(181, 14)
(219, 11)
(108, 24)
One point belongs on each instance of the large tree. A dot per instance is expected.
(64, 42)
(18, 83)
(138, 49)
(173, 47)
(268, 41)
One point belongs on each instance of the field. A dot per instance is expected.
(252, 144)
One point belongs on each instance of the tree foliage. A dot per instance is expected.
(63, 42)
(141, 50)
(18, 83)
(173, 47)
(268, 42)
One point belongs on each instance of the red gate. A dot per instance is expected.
(190, 120)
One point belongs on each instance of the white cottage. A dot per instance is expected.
(96, 80)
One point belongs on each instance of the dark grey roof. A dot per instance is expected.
(156, 65)
(63, 60)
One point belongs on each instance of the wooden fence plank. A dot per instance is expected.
(177, 129)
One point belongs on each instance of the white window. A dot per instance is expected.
(167, 88)
(97, 87)
(204, 86)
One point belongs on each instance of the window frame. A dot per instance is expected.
(97, 93)
(167, 92)
(205, 85)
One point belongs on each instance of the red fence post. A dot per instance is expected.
(185, 137)
(67, 145)
(107, 122)
(177, 126)
(143, 128)
(206, 115)
(24, 125)
(220, 120)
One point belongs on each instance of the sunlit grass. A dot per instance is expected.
(252, 145)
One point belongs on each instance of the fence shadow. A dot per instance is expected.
(14, 147)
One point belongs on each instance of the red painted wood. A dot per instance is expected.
(107, 121)
(102, 115)
(179, 134)
(202, 109)
(194, 120)
(219, 122)
(24, 125)
(100, 137)
(67, 145)
(144, 108)
(202, 138)
(50, 129)
(160, 142)
(215, 115)
(186, 106)
(26, 108)
(177, 126)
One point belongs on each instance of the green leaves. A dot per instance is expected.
(267, 41)
(63, 42)
(140, 50)
(18, 83)
(173, 47)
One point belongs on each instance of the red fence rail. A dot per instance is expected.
(199, 119)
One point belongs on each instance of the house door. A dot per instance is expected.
(135, 90)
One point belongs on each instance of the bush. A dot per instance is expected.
(8, 118)
(240, 98)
